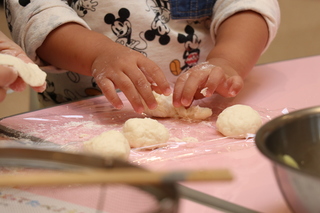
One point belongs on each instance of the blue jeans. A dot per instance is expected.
(191, 9)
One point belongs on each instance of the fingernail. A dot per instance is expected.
(232, 93)
(153, 106)
(176, 104)
(168, 91)
(139, 110)
(119, 106)
(185, 102)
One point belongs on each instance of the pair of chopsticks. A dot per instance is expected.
(133, 176)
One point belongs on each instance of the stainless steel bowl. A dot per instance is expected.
(297, 136)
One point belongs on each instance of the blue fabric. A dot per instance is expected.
(191, 9)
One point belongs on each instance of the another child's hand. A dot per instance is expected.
(8, 77)
(131, 72)
(203, 80)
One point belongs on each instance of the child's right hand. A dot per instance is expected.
(131, 72)
(114, 66)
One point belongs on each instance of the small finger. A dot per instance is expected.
(195, 81)
(155, 76)
(215, 78)
(108, 89)
(231, 87)
(41, 88)
(143, 87)
(178, 89)
(125, 84)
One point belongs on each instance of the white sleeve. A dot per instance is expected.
(32, 23)
(269, 9)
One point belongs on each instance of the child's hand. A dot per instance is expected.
(203, 80)
(8, 77)
(131, 72)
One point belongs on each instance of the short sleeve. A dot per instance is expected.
(269, 9)
(30, 23)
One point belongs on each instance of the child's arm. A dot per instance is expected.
(240, 40)
(75, 48)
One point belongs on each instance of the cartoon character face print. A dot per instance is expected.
(83, 6)
(158, 25)
(191, 54)
(191, 42)
(122, 28)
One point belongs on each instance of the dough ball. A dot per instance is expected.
(238, 120)
(166, 109)
(143, 132)
(108, 144)
(30, 73)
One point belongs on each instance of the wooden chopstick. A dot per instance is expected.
(131, 176)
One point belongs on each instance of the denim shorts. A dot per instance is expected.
(191, 9)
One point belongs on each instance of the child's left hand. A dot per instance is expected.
(203, 80)
(8, 77)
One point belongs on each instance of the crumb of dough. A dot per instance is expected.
(238, 121)
(29, 72)
(144, 132)
(166, 109)
(204, 91)
(108, 144)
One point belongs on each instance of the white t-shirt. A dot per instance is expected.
(146, 26)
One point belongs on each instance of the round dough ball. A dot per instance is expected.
(108, 144)
(238, 120)
(144, 132)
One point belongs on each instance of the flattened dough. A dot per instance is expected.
(30, 73)
(166, 109)
(238, 121)
(144, 132)
(108, 144)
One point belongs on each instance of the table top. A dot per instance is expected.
(269, 89)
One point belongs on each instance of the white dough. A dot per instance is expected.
(166, 109)
(30, 73)
(238, 121)
(144, 132)
(108, 144)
